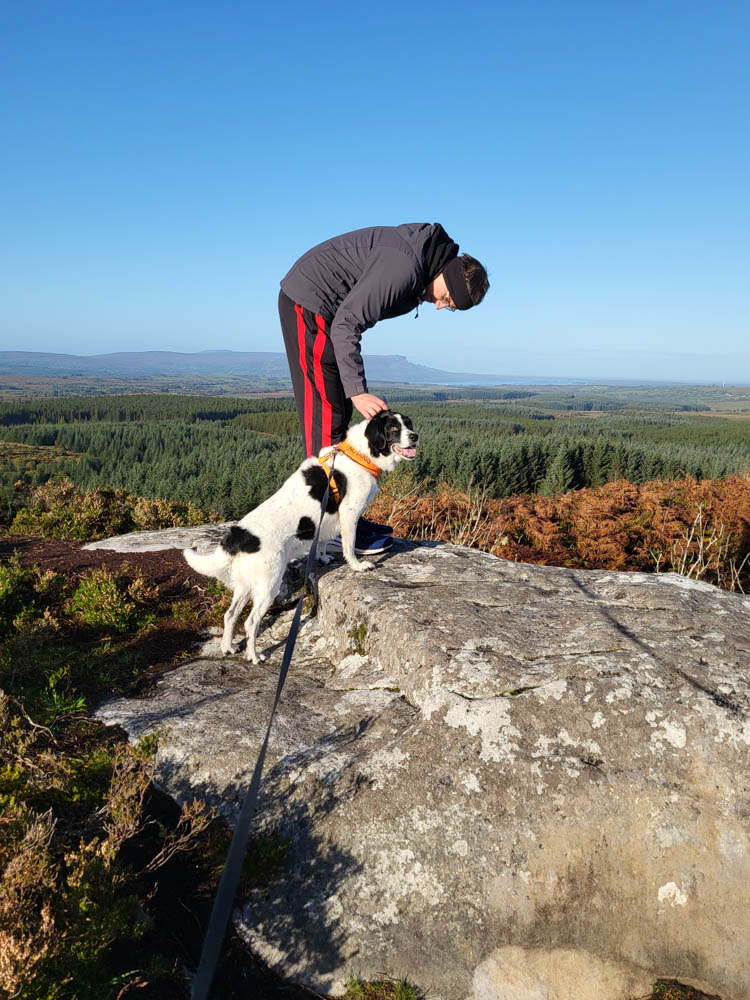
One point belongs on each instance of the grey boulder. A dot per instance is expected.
(495, 779)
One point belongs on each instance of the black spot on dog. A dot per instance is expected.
(316, 479)
(240, 540)
(306, 529)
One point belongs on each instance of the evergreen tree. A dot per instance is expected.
(561, 473)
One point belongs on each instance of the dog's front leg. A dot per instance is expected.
(348, 535)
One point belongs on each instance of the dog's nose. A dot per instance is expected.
(413, 437)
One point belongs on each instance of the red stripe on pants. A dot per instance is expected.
(308, 387)
(320, 343)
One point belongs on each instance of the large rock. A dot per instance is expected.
(204, 537)
(499, 780)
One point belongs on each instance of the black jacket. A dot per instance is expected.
(358, 278)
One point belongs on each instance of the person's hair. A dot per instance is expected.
(477, 281)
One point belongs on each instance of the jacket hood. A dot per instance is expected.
(439, 250)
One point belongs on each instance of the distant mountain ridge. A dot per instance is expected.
(130, 364)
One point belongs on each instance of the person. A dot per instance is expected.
(344, 286)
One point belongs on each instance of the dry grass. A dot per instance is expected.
(699, 529)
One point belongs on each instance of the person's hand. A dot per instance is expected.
(368, 405)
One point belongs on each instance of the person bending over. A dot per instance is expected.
(341, 288)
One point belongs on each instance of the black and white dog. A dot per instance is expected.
(252, 557)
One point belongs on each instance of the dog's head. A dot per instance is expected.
(392, 436)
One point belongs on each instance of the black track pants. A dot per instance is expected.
(323, 409)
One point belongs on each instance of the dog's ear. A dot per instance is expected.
(375, 433)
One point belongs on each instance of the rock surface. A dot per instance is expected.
(204, 538)
(498, 780)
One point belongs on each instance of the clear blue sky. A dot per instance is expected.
(164, 163)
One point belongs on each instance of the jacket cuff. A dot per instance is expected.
(354, 388)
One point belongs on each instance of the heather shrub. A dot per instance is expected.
(106, 601)
(11, 577)
(67, 889)
(28, 880)
(151, 515)
(59, 510)
(17, 592)
(82, 848)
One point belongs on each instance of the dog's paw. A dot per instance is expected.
(362, 566)
(325, 558)
(227, 650)
(257, 658)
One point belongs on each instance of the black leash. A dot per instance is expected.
(230, 877)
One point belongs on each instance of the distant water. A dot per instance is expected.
(521, 380)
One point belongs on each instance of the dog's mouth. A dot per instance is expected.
(409, 453)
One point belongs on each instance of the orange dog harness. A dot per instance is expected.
(355, 456)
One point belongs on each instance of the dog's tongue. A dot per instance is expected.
(409, 452)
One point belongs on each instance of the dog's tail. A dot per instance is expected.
(209, 563)
(237, 540)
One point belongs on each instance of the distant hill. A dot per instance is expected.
(134, 364)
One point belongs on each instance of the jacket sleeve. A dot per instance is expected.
(390, 276)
